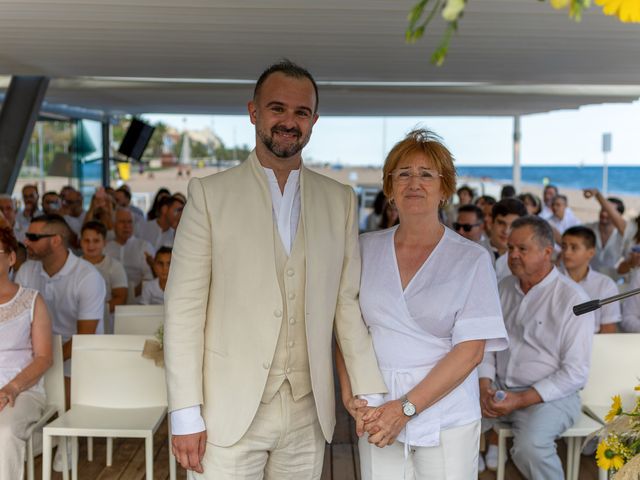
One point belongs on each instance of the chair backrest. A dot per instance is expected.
(54, 377)
(615, 369)
(109, 371)
(138, 319)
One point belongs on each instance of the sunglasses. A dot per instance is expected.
(464, 226)
(34, 237)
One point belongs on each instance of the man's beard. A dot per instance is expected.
(279, 150)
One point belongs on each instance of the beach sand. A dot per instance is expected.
(585, 209)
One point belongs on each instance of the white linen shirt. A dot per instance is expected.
(151, 294)
(286, 207)
(452, 298)
(599, 286)
(131, 256)
(550, 347)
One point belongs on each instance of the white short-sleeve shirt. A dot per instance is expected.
(132, 256)
(452, 298)
(151, 294)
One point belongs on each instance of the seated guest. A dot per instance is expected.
(578, 248)
(30, 210)
(631, 251)
(465, 195)
(507, 191)
(72, 288)
(74, 213)
(130, 251)
(123, 199)
(562, 217)
(548, 194)
(51, 203)
(610, 230)
(8, 210)
(372, 222)
(531, 202)
(101, 210)
(631, 309)
(486, 203)
(503, 214)
(470, 224)
(174, 213)
(25, 355)
(153, 290)
(93, 241)
(158, 232)
(547, 362)
(154, 211)
(389, 216)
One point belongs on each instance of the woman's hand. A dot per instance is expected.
(8, 395)
(384, 424)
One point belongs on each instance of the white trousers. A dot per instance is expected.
(15, 428)
(456, 458)
(284, 442)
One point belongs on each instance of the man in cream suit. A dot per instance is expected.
(265, 267)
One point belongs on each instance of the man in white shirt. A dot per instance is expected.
(30, 210)
(503, 214)
(73, 289)
(134, 253)
(548, 359)
(470, 224)
(562, 217)
(265, 268)
(8, 209)
(74, 213)
(122, 197)
(158, 232)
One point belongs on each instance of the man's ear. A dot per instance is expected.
(252, 108)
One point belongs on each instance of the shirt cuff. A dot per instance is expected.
(187, 420)
(548, 390)
(487, 370)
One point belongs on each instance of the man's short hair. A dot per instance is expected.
(585, 234)
(49, 193)
(126, 191)
(95, 226)
(472, 209)
(619, 204)
(28, 186)
(542, 231)
(55, 224)
(508, 206)
(508, 191)
(560, 197)
(163, 251)
(488, 199)
(289, 69)
(555, 189)
(466, 188)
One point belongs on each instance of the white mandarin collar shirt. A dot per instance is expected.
(550, 347)
(599, 286)
(286, 208)
(452, 298)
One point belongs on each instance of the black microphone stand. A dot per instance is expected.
(592, 305)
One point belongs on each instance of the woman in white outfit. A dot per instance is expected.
(430, 300)
(25, 354)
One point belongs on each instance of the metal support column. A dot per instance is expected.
(517, 173)
(106, 151)
(17, 118)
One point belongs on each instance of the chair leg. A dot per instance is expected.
(62, 444)
(90, 449)
(109, 451)
(74, 458)
(46, 457)
(30, 467)
(148, 452)
(569, 470)
(502, 455)
(577, 451)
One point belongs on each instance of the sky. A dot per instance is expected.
(566, 137)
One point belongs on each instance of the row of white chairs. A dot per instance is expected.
(615, 370)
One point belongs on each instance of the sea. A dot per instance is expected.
(622, 180)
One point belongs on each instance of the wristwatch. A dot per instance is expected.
(408, 408)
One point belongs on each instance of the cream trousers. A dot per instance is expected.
(456, 458)
(284, 442)
(15, 428)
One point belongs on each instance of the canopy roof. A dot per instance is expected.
(202, 56)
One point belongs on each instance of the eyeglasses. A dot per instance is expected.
(423, 175)
(465, 226)
(34, 237)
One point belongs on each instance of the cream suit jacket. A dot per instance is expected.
(223, 306)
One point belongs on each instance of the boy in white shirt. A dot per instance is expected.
(153, 291)
(578, 248)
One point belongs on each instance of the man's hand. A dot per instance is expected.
(357, 408)
(189, 450)
(486, 399)
(493, 409)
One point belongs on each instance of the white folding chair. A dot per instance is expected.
(115, 392)
(138, 319)
(54, 389)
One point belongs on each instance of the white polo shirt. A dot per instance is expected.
(76, 292)
(131, 256)
(599, 286)
(151, 294)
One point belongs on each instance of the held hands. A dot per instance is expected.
(383, 424)
(189, 450)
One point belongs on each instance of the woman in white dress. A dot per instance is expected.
(25, 354)
(430, 300)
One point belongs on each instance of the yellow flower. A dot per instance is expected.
(625, 10)
(560, 4)
(616, 409)
(637, 388)
(607, 458)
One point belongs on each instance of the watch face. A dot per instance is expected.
(409, 409)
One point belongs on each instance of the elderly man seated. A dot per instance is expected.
(547, 362)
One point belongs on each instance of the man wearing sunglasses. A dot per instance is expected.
(470, 223)
(73, 289)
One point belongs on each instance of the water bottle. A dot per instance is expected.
(499, 396)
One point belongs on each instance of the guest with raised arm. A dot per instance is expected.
(430, 300)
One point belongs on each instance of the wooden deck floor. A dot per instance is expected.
(341, 458)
